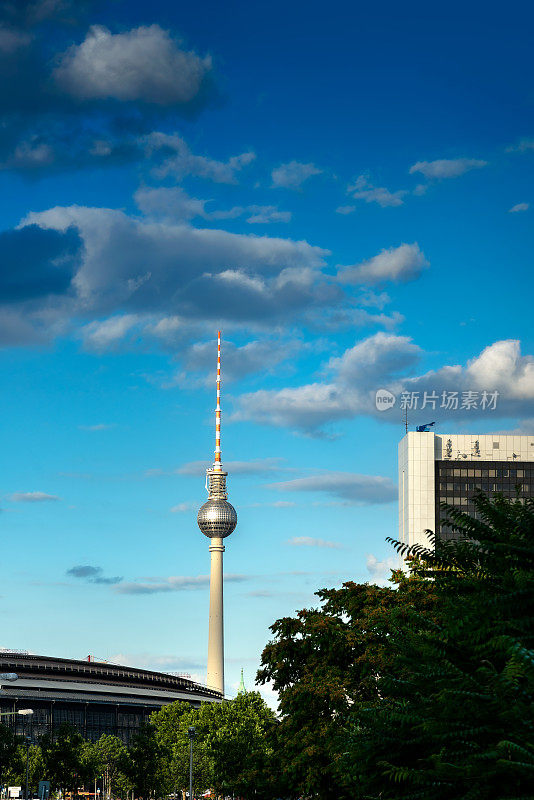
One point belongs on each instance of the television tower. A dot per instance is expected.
(216, 519)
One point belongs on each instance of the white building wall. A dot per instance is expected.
(418, 453)
(416, 487)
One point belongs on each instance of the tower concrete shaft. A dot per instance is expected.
(216, 618)
(216, 519)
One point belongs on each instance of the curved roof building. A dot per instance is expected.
(96, 697)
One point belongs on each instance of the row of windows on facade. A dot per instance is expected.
(486, 486)
(468, 501)
(91, 724)
(496, 472)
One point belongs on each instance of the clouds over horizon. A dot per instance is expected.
(91, 574)
(174, 583)
(174, 158)
(447, 167)
(258, 466)
(169, 277)
(352, 488)
(375, 363)
(85, 110)
(147, 267)
(293, 174)
(364, 189)
(398, 265)
(33, 497)
(143, 64)
(309, 541)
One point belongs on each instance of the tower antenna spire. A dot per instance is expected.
(217, 466)
(216, 519)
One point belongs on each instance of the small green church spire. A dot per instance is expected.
(241, 689)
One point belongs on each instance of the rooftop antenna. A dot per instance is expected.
(406, 418)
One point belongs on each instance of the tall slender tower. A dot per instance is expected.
(216, 519)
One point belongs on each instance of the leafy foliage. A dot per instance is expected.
(422, 690)
(323, 663)
(232, 747)
(63, 758)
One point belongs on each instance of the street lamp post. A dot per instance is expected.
(27, 712)
(191, 731)
(23, 712)
(27, 765)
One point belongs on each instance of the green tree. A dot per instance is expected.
(8, 750)
(323, 663)
(240, 741)
(458, 722)
(172, 724)
(113, 760)
(63, 758)
(16, 773)
(233, 746)
(148, 767)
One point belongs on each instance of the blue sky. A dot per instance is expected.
(347, 193)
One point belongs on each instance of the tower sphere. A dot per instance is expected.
(217, 518)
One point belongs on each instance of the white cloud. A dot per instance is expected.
(258, 466)
(345, 209)
(238, 361)
(176, 269)
(178, 160)
(308, 541)
(519, 207)
(336, 318)
(348, 486)
(447, 167)
(370, 298)
(100, 426)
(262, 215)
(169, 279)
(92, 574)
(144, 64)
(522, 147)
(162, 663)
(181, 508)
(380, 570)
(104, 335)
(30, 154)
(304, 407)
(33, 497)
(374, 363)
(169, 203)
(499, 367)
(173, 203)
(174, 583)
(293, 174)
(373, 358)
(363, 189)
(12, 40)
(398, 264)
(355, 376)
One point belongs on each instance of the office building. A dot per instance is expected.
(442, 467)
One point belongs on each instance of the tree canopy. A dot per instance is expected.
(424, 689)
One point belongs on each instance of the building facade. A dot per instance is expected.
(436, 468)
(95, 697)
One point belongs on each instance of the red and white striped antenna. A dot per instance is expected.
(217, 466)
